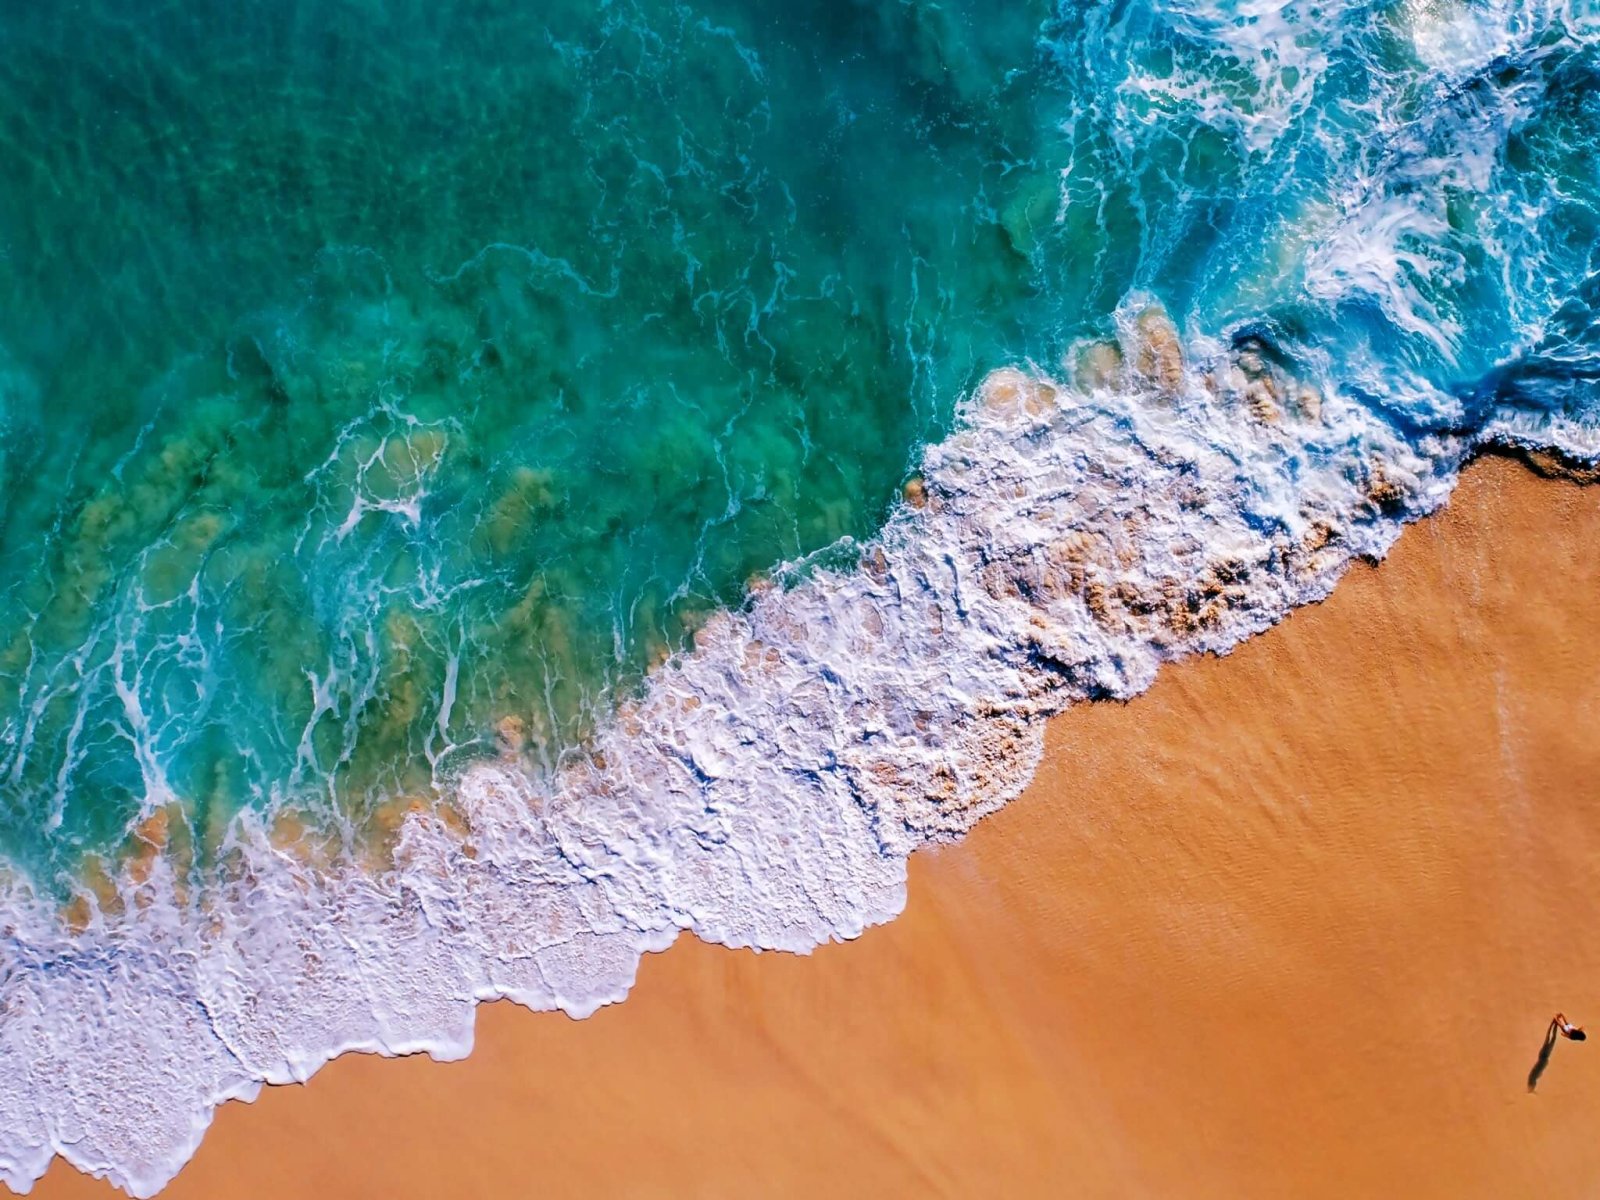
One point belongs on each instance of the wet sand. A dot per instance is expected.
(1291, 924)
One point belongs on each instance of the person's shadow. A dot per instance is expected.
(1544, 1056)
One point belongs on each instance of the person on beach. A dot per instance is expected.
(1559, 1026)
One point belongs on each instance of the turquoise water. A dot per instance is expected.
(362, 354)
(371, 373)
(388, 388)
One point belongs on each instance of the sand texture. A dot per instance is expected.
(1290, 924)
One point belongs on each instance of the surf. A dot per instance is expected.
(444, 625)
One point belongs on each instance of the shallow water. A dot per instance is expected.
(409, 346)
(387, 390)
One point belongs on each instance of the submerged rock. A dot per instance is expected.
(1157, 353)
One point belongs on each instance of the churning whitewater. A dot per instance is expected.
(1266, 276)
(769, 786)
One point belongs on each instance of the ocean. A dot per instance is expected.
(485, 488)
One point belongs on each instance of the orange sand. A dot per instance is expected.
(1291, 924)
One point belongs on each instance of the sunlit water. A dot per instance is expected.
(388, 389)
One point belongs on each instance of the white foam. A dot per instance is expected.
(1284, 44)
(1415, 224)
(769, 784)
(1457, 37)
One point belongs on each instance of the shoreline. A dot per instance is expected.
(1315, 974)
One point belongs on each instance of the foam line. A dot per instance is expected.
(768, 786)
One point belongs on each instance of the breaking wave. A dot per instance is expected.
(767, 788)
(1309, 259)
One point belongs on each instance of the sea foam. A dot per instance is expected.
(1084, 525)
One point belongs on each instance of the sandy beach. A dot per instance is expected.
(1290, 924)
